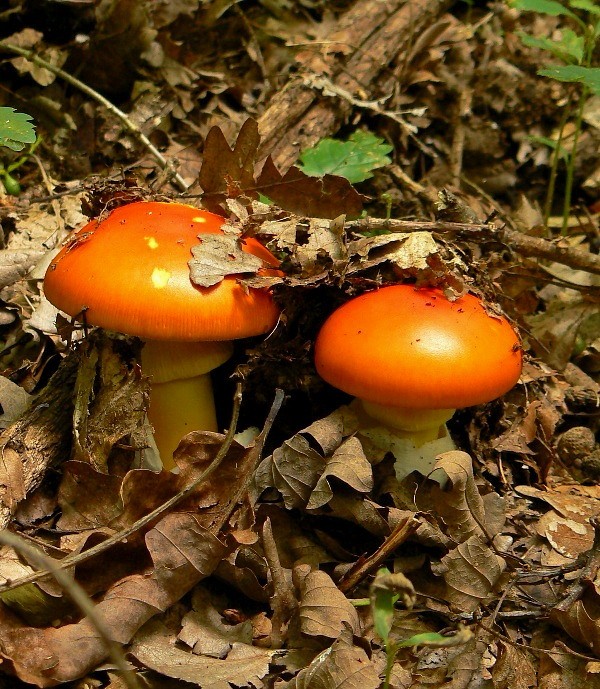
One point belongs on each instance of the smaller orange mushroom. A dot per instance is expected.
(129, 273)
(412, 357)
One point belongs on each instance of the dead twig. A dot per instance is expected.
(364, 566)
(531, 247)
(283, 600)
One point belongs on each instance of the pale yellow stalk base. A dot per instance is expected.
(414, 436)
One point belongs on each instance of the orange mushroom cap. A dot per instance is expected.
(413, 348)
(129, 273)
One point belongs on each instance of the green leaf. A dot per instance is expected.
(427, 638)
(551, 143)
(16, 129)
(551, 7)
(590, 6)
(354, 159)
(383, 612)
(590, 76)
(569, 49)
(462, 636)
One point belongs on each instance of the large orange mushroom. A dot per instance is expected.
(412, 357)
(129, 273)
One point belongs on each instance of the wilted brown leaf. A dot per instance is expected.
(466, 664)
(459, 503)
(230, 172)
(183, 553)
(324, 609)
(329, 431)
(324, 243)
(111, 399)
(217, 256)
(88, 498)
(294, 469)
(315, 197)
(471, 571)
(581, 620)
(567, 527)
(204, 631)
(513, 669)
(341, 666)
(244, 665)
(412, 252)
(227, 170)
(347, 464)
(13, 402)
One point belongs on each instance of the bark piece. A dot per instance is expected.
(374, 33)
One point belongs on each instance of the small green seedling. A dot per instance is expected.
(386, 591)
(354, 159)
(575, 49)
(16, 131)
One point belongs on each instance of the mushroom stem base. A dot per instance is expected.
(421, 425)
(178, 407)
(414, 436)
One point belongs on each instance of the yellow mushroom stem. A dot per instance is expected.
(181, 394)
(419, 425)
(416, 436)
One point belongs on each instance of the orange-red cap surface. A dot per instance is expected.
(130, 273)
(404, 347)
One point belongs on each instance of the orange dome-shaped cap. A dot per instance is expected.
(413, 348)
(129, 272)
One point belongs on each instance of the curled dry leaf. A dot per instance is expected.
(581, 620)
(342, 665)
(349, 465)
(471, 572)
(204, 631)
(407, 251)
(464, 512)
(325, 240)
(300, 473)
(294, 469)
(329, 431)
(111, 399)
(244, 666)
(13, 402)
(567, 526)
(324, 609)
(180, 550)
(217, 256)
(513, 669)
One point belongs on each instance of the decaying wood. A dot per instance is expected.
(38, 440)
(375, 34)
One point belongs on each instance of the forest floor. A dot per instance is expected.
(365, 143)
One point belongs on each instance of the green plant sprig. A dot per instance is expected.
(12, 184)
(575, 49)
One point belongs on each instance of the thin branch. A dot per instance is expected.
(403, 530)
(72, 589)
(532, 247)
(84, 88)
